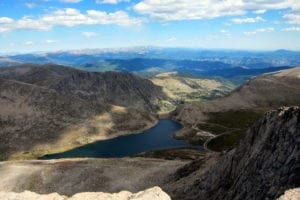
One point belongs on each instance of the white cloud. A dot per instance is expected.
(261, 30)
(30, 5)
(247, 20)
(262, 11)
(171, 39)
(226, 33)
(28, 43)
(110, 1)
(296, 29)
(51, 41)
(70, 1)
(5, 24)
(68, 17)
(185, 9)
(292, 18)
(27, 23)
(89, 34)
(5, 20)
(195, 9)
(4, 29)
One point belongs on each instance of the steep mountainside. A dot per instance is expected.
(123, 89)
(54, 108)
(266, 91)
(219, 124)
(263, 166)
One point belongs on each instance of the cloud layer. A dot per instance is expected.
(168, 10)
(110, 1)
(68, 17)
(293, 18)
(247, 20)
(261, 30)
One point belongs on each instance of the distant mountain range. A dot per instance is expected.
(148, 61)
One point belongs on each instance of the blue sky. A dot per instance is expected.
(50, 25)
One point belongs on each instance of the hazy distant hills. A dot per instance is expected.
(53, 107)
(148, 61)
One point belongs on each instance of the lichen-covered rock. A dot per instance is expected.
(154, 193)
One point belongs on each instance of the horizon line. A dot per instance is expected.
(132, 48)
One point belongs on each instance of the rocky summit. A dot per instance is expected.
(263, 166)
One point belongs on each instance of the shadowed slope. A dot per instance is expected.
(123, 89)
(263, 166)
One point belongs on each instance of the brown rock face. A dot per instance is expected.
(263, 166)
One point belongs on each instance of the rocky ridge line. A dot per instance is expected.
(263, 166)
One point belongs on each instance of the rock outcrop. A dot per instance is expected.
(263, 166)
(154, 193)
(292, 194)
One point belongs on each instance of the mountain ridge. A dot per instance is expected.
(262, 166)
(256, 93)
(42, 111)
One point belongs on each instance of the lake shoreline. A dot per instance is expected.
(158, 137)
(37, 153)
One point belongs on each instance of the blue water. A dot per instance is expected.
(155, 138)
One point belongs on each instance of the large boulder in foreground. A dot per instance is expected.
(154, 193)
(263, 166)
(293, 194)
